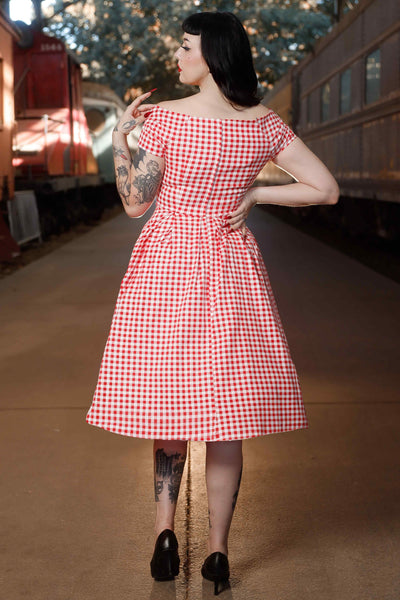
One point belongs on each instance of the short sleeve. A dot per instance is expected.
(151, 137)
(280, 136)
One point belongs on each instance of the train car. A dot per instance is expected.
(52, 144)
(343, 100)
(8, 33)
(52, 137)
(103, 107)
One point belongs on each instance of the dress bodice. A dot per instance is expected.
(210, 163)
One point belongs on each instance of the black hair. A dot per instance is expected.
(226, 49)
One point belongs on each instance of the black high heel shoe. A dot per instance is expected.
(216, 568)
(165, 562)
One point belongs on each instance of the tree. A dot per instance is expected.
(281, 33)
(130, 44)
(59, 7)
(127, 45)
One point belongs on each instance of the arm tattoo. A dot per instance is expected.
(147, 184)
(138, 157)
(123, 185)
(119, 152)
(129, 125)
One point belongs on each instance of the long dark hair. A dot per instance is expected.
(226, 49)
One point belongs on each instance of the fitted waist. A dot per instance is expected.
(165, 212)
(164, 220)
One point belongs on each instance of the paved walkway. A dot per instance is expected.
(317, 516)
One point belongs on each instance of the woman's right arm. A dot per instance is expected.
(139, 178)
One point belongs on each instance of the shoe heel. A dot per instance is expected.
(165, 562)
(216, 569)
(171, 563)
(167, 566)
(216, 585)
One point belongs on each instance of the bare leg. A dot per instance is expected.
(169, 462)
(224, 463)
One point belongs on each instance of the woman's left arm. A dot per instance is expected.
(314, 184)
(139, 178)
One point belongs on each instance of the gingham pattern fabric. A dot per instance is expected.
(196, 349)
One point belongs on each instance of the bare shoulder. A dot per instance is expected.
(194, 105)
(176, 105)
(261, 111)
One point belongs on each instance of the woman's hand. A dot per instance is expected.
(238, 217)
(134, 114)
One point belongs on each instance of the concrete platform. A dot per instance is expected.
(317, 515)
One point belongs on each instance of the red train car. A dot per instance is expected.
(52, 138)
(8, 33)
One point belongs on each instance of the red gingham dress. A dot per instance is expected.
(196, 349)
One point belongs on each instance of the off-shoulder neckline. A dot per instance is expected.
(254, 120)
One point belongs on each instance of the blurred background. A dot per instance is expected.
(329, 68)
(318, 510)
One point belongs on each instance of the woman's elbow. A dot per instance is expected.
(138, 209)
(132, 207)
(332, 194)
(135, 213)
(133, 210)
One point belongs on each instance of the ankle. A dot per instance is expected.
(158, 528)
(214, 546)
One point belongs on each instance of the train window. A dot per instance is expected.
(373, 76)
(345, 91)
(325, 101)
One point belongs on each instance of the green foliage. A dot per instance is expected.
(129, 45)
(284, 35)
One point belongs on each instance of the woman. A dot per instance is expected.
(196, 349)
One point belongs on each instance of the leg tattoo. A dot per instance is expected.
(235, 495)
(158, 488)
(169, 469)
